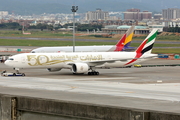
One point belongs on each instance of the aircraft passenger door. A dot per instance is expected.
(23, 59)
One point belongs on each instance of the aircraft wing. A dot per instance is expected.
(100, 62)
(122, 60)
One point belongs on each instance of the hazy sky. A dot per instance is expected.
(64, 6)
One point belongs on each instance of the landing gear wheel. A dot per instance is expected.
(23, 74)
(93, 73)
(14, 74)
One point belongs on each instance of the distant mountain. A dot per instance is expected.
(64, 6)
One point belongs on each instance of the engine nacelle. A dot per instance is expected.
(53, 69)
(80, 68)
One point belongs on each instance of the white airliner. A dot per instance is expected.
(122, 45)
(84, 62)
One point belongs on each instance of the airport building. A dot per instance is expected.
(113, 22)
(159, 27)
(97, 15)
(171, 13)
(171, 23)
(123, 28)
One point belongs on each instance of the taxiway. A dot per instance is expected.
(147, 88)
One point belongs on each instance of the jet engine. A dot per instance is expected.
(80, 68)
(53, 69)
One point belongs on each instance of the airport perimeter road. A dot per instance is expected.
(152, 88)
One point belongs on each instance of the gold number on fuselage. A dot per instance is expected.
(40, 61)
(35, 61)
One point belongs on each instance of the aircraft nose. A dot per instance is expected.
(6, 62)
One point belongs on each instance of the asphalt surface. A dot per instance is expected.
(147, 88)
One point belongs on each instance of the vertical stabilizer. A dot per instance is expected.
(147, 45)
(126, 39)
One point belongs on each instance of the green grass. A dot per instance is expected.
(170, 37)
(59, 34)
(51, 34)
(165, 51)
(158, 45)
(161, 38)
(15, 42)
(10, 42)
(41, 34)
(7, 42)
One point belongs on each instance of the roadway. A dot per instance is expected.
(148, 88)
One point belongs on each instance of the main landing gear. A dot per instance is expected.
(93, 73)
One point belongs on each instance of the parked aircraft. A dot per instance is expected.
(122, 45)
(84, 62)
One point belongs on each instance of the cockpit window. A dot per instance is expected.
(10, 59)
(33, 52)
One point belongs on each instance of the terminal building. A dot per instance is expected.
(123, 28)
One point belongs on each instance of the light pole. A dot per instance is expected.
(74, 9)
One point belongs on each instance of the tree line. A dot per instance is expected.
(79, 27)
(83, 27)
(172, 29)
(12, 25)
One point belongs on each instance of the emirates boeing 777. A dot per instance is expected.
(84, 62)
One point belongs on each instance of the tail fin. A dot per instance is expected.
(147, 45)
(126, 39)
